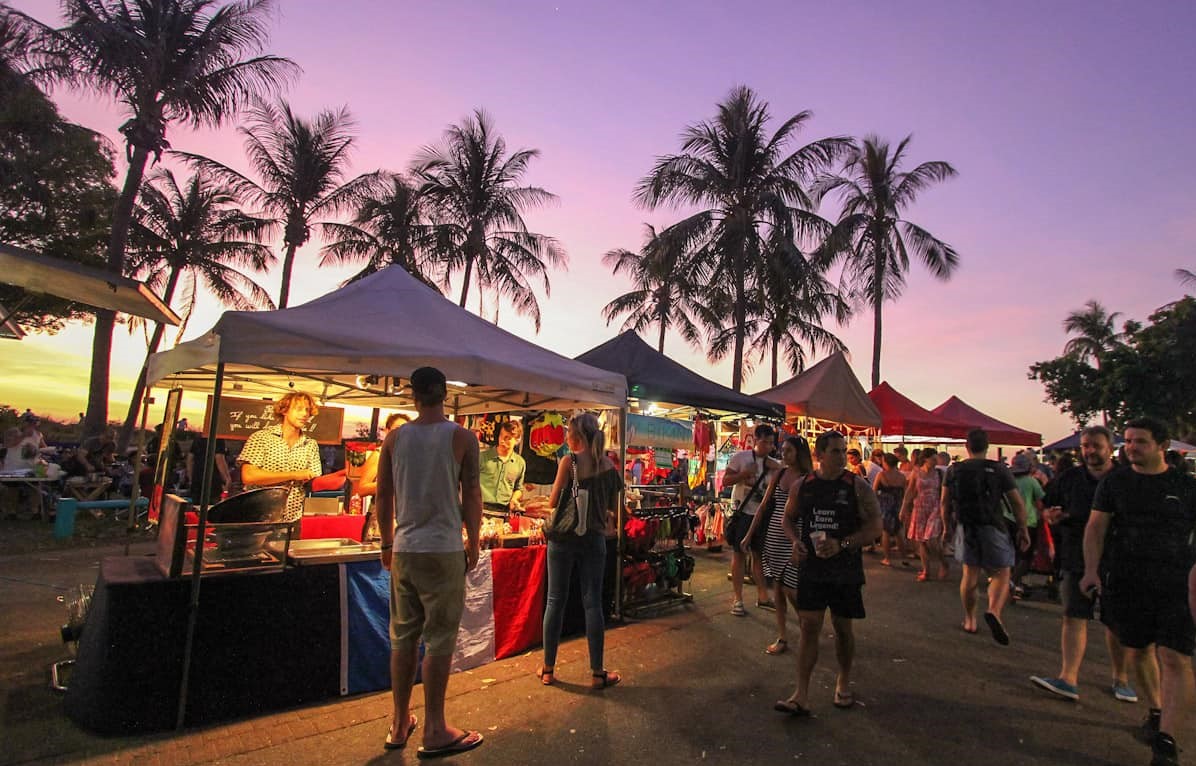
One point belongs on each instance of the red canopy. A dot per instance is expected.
(999, 432)
(901, 416)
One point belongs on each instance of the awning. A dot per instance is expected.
(999, 432)
(84, 284)
(1073, 442)
(646, 431)
(901, 416)
(828, 391)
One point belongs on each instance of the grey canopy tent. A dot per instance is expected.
(652, 376)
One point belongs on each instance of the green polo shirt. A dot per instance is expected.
(501, 478)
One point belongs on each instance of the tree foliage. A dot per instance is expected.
(56, 191)
(1148, 372)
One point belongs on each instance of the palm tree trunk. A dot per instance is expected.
(96, 419)
(465, 283)
(776, 347)
(288, 263)
(664, 323)
(878, 297)
(739, 317)
(126, 430)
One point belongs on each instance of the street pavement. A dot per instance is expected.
(698, 688)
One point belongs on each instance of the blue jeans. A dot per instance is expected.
(588, 554)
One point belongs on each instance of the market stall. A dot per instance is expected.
(652, 531)
(358, 345)
(999, 432)
(903, 420)
(827, 396)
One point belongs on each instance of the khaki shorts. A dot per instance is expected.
(427, 597)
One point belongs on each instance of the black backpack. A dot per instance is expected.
(976, 496)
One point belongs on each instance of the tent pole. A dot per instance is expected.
(135, 491)
(200, 533)
(621, 516)
(377, 413)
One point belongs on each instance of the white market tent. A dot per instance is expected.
(359, 345)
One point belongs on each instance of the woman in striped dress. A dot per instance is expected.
(778, 548)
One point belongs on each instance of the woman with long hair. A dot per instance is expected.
(586, 472)
(796, 462)
(890, 491)
(921, 512)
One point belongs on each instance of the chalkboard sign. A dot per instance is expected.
(239, 418)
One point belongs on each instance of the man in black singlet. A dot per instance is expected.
(837, 513)
(1147, 515)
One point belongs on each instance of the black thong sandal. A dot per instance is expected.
(394, 744)
(790, 707)
(546, 675)
(605, 679)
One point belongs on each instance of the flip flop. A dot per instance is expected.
(392, 744)
(790, 707)
(466, 742)
(844, 700)
(998, 630)
(777, 647)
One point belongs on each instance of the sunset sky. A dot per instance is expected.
(1069, 124)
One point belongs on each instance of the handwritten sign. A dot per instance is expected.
(238, 418)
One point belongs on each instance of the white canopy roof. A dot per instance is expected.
(359, 345)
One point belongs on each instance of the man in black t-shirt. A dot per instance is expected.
(1147, 513)
(837, 513)
(973, 491)
(221, 478)
(1069, 503)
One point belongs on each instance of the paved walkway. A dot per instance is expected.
(699, 688)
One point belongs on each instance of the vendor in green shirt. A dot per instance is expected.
(502, 471)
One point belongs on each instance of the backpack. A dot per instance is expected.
(976, 496)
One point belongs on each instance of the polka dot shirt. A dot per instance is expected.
(267, 450)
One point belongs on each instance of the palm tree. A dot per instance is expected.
(667, 286)
(390, 228)
(1094, 328)
(872, 233)
(477, 204)
(752, 188)
(796, 298)
(182, 61)
(1186, 277)
(194, 233)
(302, 164)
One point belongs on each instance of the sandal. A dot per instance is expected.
(546, 676)
(605, 679)
(395, 744)
(777, 647)
(791, 707)
(922, 576)
(886, 563)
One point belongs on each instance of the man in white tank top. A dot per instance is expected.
(427, 488)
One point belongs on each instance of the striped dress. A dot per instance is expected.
(777, 546)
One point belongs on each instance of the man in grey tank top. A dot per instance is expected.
(427, 488)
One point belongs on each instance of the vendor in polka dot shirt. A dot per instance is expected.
(282, 453)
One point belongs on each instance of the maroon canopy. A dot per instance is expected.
(901, 416)
(999, 432)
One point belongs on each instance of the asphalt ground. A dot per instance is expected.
(698, 688)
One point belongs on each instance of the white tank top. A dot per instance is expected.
(427, 489)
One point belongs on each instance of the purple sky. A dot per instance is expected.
(1065, 120)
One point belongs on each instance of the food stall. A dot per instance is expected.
(355, 345)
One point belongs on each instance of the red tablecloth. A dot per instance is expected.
(520, 580)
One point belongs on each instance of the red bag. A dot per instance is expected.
(1044, 551)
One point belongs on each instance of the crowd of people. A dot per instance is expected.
(1126, 548)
